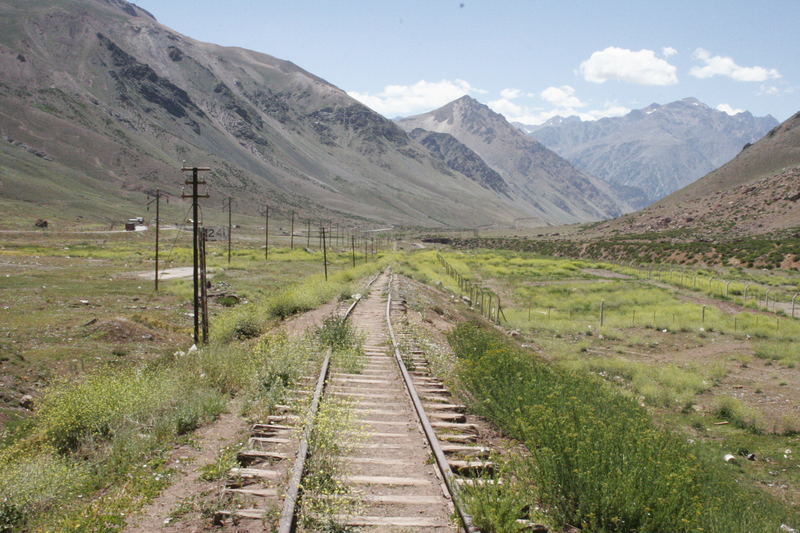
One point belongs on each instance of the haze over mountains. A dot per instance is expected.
(658, 149)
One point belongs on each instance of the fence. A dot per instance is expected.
(485, 300)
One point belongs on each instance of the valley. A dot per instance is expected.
(447, 306)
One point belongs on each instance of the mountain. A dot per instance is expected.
(458, 157)
(99, 102)
(658, 149)
(550, 188)
(755, 193)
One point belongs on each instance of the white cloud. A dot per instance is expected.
(507, 108)
(561, 97)
(609, 110)
(641, 67)
(768, 90)
(510, 94)
(668, 51)
(726, 66)
(562, 102)
(398, 100)
(725, 108)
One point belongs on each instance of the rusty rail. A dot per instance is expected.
(287, 520)
(430, 435)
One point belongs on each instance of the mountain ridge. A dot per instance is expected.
(756, 193)
(659, 148)
(537, 177)
(118, 101)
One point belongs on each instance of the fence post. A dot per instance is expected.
(602, 312)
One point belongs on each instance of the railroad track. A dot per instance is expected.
(415, 450)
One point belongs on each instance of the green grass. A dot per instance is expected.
(644, 350)
(783, 351)
(598, 460)
(738, 413)
(660, 386)
(251, 319)
(86, 437)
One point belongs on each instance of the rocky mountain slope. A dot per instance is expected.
(757, 192)
(658, 149)
(458, 157)
(99, 102)
(538, 179)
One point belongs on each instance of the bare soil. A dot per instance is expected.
(188, 461)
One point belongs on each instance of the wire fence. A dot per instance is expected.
(479, 297)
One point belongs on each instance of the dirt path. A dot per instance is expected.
(603, 273)
(689, 296)
(168, 273)
(701, 299)
(188, 460)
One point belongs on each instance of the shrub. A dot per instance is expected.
(738, 413)
(598, 460)
(337, 333)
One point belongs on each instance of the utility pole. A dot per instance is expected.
(353, 248)
(291, 237)
(157, 199)
(203, 285)
(324, 253)
(266, 233)
(195, 241)
(230, 226)
(308, 233)
(366, 250)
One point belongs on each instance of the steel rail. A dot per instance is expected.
(430, 435)
(287, 520)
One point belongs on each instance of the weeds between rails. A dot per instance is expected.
(333, 436)
(598, 460)
(118, 424)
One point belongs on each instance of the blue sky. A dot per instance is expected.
(529, 60)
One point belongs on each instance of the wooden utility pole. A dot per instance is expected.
(308, 233)
(266, 233)
(194, 182)
(157, 199)
(324, 253)
(230, 225)
(291, 237)
(203, 286)
(353, 248)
